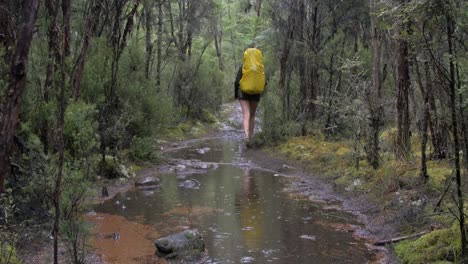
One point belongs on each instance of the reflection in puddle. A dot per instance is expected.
(121, 241)
(243, 214)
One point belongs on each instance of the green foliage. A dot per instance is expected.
(275, 128)
(77, 191)
(96, 75)
(8, 254)
(209, 90)
(79, 131)
(150, 110)
(143, 149)
(32, 182)
(115, 169)
(435, 247)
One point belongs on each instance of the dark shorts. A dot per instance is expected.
(248, 97)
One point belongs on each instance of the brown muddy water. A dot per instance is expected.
(244, 212)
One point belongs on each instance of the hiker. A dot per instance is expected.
(248, 86)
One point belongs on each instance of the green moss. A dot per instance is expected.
(185, 130)
(209, 117)
(335, 159)
(8, 254)
(439, 246)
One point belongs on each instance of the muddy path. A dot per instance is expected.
(250, 207)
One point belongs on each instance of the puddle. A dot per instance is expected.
(121, 241)
(244, 214)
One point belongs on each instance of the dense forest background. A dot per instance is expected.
(90, 86)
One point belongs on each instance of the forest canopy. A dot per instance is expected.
(89, 86)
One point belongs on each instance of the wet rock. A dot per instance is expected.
(184, 246)
(247, 260)
(199, 165)
(148, 193)
(356, 183)
(147, 182)
(203, 150)
(181, 167)
(91, 213)
(190, 184)
(308, 237)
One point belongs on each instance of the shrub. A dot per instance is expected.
(8, 254)
(79, 130)
(142, 149)
(435, 247)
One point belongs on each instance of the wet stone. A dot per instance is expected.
(247, 260)
(190, 184)
(184, 246)
(147, 182)
(203, 150)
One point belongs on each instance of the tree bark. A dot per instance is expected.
(218, 38)
(148, 8)
(8, 26)
(464, 122)
(374, 100)
(15, 89)
(92, 21)
(314, 73)
(53, 58)
(403, 147)
(60, 143)
(66, 12)
(182, 12)
(423, 125)
(159, 45)
(456, 143)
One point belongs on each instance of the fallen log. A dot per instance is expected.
(398, 239)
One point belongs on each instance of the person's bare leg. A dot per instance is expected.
(253, 108)
(245, 105)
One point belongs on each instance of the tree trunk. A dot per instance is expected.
(148, 8)
(456, 143)
(403, 147)
(7, 27)
(60, 144)
(423, 124)
(374, 100)
(92, 21)
(464, 122)
(190, 19)
(218, 41)
(17, 82)
(159, 45)
(66, 12)
(314, 73)
(283, 70)
(436, 127)
(259, 7)
(53, 59)
(181, 30)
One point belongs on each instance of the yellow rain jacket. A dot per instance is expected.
(253, 74)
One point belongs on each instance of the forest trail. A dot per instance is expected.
(249, 210)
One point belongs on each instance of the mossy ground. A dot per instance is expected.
(396, 186)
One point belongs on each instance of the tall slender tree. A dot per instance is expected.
(16, 85)
(403, 146)
(375, 94)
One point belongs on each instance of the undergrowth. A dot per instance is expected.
(396, 186)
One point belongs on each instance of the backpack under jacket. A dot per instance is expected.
(253, 74)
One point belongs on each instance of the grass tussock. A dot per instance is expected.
(439, 246)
